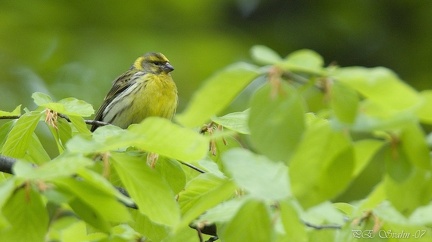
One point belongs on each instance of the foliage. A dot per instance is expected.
(335, 153)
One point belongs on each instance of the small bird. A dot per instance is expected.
(146, 89)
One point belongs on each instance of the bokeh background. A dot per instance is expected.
(76, 48)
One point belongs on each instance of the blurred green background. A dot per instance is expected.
(77, 48)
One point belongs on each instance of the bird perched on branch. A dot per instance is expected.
(146, 89)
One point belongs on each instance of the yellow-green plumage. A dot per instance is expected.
(146, 89)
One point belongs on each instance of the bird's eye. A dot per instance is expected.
(158, 63)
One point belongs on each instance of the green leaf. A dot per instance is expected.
(15, 112)
(26, 213)
(4, 131)
(67, 106)
(202, 193)
(62, 133)
(76, 107)
(90, 198)
(98, 181)
(147, 188)
(79, 124)
(425, 110)
(161, 136)
(90, 215)
(20, 136)
(236, 121)
(323, 164)
(154, 134)
(217, 93)
(411, 193)
(36, 153)
(223, 212)
(323, 214)
(62, 166)
(413, 142)
(304, 61)
(372, 117)
(344, 102)
(151, 230)
(173, 174)
(276, 123)
(294, 228)
(41, 98)
(380, 85)
(364, 150)
(6, 190)
(251, 223)
(422, 215)
(262, 178)
(264, 55)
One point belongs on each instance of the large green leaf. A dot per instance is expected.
(28, 218)
(264, 55)
(425, 110)
(202, 193)
(380, 85)
(307, 61)
(173, 174)
(15, 112)
(217, 93)
(413, 142)
(224, 211)
(276, 122)
(413, 192)
(148, 228)
(147, 188)
(293, 226)
(344, 102)
(364, 150)
(79, 124)
(62, 166)
(251, 223)
(67, 106)
(154, 134)
(36, 152)
(322, 165)
(4, 131)
(235, 121)
(93, 202)
(161, 136)
(19, 138)
(259, 176)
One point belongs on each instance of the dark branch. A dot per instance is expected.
(318, 227)
(191, 166)
(10, 117)
(90, 122)
(87, 121)
(6, 164)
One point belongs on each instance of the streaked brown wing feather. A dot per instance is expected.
(120, 84)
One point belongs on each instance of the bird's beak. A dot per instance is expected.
(168, 68)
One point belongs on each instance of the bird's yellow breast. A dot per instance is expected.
(157, 96)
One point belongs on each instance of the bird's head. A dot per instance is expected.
(153, 63)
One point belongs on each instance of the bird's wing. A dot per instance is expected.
(119, 85)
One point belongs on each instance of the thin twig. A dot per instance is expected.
(329, 226)
(10, 117)
(87, 121)
(191, 166)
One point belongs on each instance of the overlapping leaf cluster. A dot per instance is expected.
(318, 147)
